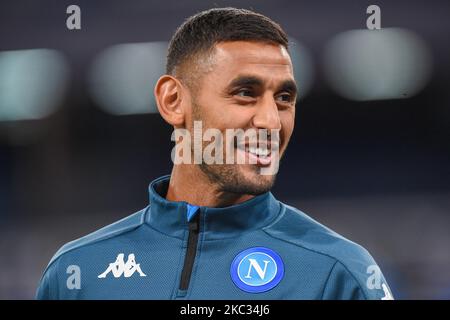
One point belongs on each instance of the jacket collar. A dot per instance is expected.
(171, 217)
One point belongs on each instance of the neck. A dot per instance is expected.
(188, 183)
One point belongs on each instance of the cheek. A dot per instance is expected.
(228, 117)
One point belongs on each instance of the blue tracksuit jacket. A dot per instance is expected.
(259, 249)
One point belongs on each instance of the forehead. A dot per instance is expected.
(260, 59)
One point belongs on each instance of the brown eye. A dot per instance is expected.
(285, 97)
(244, 93)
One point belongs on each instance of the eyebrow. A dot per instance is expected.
(246, 81)
(253, 81)
(289, 86)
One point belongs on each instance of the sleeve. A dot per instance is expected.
(364, 283)
(48, 286)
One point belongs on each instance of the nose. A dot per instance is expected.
(267, 115)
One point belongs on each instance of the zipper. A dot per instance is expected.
(191, 252)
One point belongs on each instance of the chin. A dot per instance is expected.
(256, 183)
(239, 179)
(247, 180)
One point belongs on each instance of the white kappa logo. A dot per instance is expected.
(119, 267)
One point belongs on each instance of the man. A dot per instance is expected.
(213, 230)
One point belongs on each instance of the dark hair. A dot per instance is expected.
(200, 32)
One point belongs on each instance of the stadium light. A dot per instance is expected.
(389, 63)
(32, 83)
(122, 77)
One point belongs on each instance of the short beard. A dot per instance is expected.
(227, 176)
(229, 180)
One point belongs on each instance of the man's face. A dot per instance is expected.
(250, 85)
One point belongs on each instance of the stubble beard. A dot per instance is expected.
(228, 177)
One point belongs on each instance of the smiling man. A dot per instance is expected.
(213, 230)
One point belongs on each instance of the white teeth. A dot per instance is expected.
(260, 152)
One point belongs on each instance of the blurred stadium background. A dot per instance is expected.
(370, 157)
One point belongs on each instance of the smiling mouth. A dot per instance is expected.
(261, 156)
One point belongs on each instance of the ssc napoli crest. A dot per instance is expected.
(257, 269)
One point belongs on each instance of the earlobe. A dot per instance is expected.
(168, 96)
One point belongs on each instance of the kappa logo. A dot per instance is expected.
(257, 270)
(120, 267)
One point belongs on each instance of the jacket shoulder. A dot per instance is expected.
(48, 287)
(110, 231)
(298, 228)
(353, 260)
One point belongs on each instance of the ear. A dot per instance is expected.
(169, 96)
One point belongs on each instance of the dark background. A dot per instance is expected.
(378, 172)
